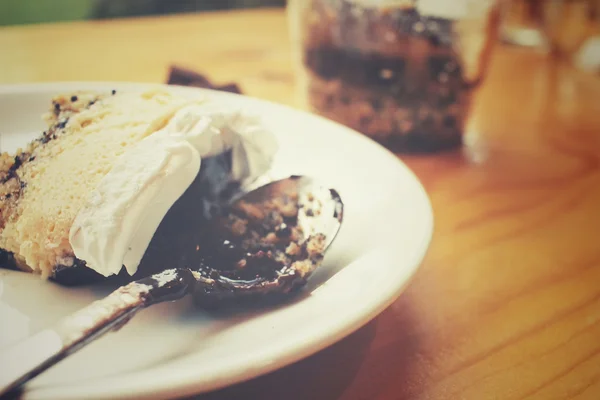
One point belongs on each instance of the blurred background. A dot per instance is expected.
(560, 26)
(15, 12)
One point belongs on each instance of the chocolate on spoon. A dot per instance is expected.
(266, 243)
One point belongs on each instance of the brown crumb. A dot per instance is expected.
(271, 238)
(293, 249)
(316, 245)
(296, 234)
(286, 208)
(239, 227)
(252, 211)
(303, 267)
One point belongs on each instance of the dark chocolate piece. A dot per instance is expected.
(186, 77)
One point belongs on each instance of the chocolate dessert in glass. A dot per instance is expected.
(402, 72)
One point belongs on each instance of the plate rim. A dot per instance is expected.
(300, 351)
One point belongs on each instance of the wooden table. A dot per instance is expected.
(507, 302)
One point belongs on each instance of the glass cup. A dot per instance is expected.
(402, 72)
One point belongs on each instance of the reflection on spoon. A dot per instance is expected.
(266, 243)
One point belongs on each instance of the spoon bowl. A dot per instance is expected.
(286, 227)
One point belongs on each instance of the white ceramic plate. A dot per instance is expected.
(174, 350)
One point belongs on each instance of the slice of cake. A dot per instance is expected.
(90, 193)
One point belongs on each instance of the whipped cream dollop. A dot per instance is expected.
(117, 223)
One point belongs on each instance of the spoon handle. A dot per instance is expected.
(32, 356)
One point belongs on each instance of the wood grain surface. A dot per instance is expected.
(507, 302)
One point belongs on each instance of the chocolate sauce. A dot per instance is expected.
(170, 285)
(7, 260)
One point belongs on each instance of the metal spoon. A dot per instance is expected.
(320, 215)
